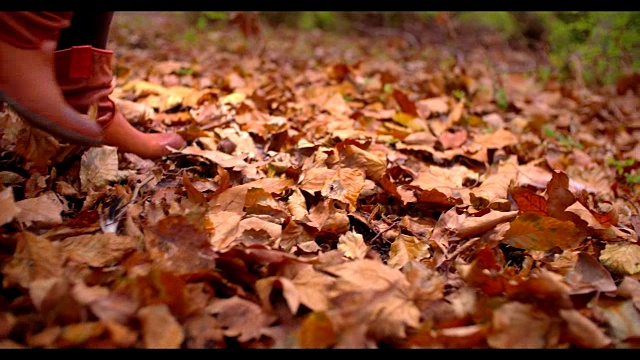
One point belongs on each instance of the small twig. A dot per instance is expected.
(393, 225)
(462, 248)
(119, 213)
(216, 124)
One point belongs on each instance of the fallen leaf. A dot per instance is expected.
(352, 245)
(99, 167)
(373, 166)
(297, 205)
(532, 231)
(8, 208)
(160, 329)
(529, 201)
(496, 186)
(583, 331)
(621, 258)
(316, 332)
(474, 226)
(45, 209)
(496, 140)
(345, 186)
(518, 325)
(98, 250)
(622, 319)
(588, 275)
(240, 318)
(35, 258)
(405, 249)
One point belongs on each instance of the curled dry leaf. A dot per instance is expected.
(352, 245)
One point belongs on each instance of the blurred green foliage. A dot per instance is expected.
(605, 44)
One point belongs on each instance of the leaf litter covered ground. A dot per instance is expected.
(356, 191)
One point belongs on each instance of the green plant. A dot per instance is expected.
(632, 179)
(606, 44)
(501, 98)
(501, 21)
(317, 19)
(623, 169)
(458, 94)
(567, 142)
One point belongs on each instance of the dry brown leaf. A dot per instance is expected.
(45, 209)
(609, 233)
(446, 180)
(446, 227)
(8, 208)
(160, 329)
(532, 231)
(297, 205)
(327, 218)
(289, 292)
(373, 166)
(529, 201)
(583, 331)
(314, 179)
(438, 105)
(225, 227)
(254, 224)
(235, 163)
(454, 138)
(405, 249)
(588, 275)
(352, 245)
(473, 226)
(518, 325)
(240, 318)
(496, 186)
(497, 140)
(622, 318)
(345, 186)
(316, 332)
(99, 167)
(98, 250)
(121, 335)
(35, 258)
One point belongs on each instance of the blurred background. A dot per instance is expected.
(605, 45)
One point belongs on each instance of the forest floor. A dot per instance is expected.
(370, 189)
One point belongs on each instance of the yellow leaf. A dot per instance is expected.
(621, 258)
(406, 248)
(410, 121)
(233, 99)
(352, 245)
(316, 332)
